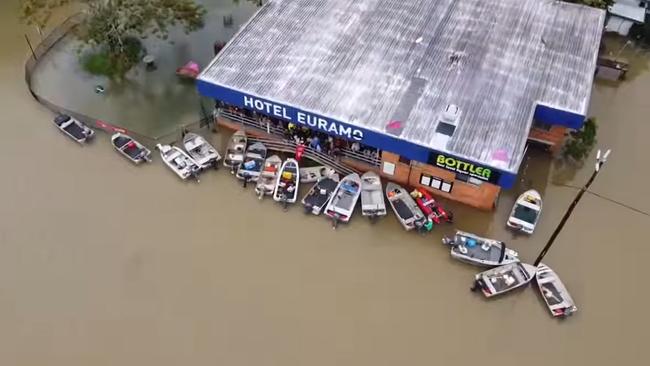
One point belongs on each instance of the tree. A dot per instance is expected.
(581, 141)
(115, 26)
(601, 4)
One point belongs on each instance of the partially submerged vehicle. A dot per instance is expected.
(235, 151)
(201, 150)
(526, 211)
(341, 207)
(130, 148)
(251, 168)
(480, 251)
(75, 129)
(179, 162)
(266, 182)
(373, 204)
(407, 211)
(315, 173)
(499, 280)
(557, 298)
(320, 194)
(431, 208)
(286, 185)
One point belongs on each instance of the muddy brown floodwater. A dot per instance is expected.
(105, 263)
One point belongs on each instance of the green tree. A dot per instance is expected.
(601, 4)
(582, 141)
(115, 26)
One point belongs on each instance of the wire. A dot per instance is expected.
(607, 199)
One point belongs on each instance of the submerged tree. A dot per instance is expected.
(582, 141)
(601, 4)
(115, 26)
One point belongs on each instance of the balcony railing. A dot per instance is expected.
(372, 159)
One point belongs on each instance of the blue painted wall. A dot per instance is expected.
(367, 137)
(554, 116)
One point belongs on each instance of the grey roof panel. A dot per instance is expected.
(368, 62)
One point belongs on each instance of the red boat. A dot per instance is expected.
(431, 208)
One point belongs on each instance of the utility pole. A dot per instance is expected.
(600, 161)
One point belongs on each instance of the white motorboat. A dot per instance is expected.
(407, 211)
(235, 151)
(268, 177)
(372, 196)
(320, 194)
(130, 148)
(179, 161)
(287, 182)
(344, 199)
(480, 251)
(526, 211)
(315, 173)
(76, 130)
(499, 280)
(201, 150)
(555, 294)
(251, 168)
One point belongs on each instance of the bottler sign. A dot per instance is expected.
(463, 167)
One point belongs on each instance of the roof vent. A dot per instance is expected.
(446, 126)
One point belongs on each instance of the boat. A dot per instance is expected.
(201, 150)
(190, 70)
(431, 208)
(499, 280)
(320, 194)
(526, 211)
(235, 151)
(286, 184)
(250, 169)
(179, 161)
(315, 173)
(266, 182)
(480, 251)
(556, 296)
(407, 211)
(373, 204)
(341, 207)
(76, 130)
(133, 150)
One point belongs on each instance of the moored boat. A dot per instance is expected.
(286, 185)
(266, 182)
(407, 211)
(313, 174)
(130, 148)
(73, 128)
(373, 204)
(235, 151)
(431, 208)
(179, 161)
(499, 280)
(557, 298)
(525, 212)
(344, 199)
(249, 170)
(480, 251)
(201, 150)
(320, 194)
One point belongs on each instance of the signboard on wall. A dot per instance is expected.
(464, 167)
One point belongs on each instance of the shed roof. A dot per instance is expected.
(369, 62)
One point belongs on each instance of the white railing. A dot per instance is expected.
(370, 159)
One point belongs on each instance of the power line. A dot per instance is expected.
(608, 199)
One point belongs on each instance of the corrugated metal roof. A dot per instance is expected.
(368, 62)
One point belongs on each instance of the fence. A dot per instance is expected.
(45, 45)
(371, 159)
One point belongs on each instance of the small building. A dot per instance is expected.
(450, 91)
(624, 14)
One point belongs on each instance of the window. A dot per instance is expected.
(468, 179)
(404, 160)
(436, 183)
(389, 168)
(445, 128)
(542, 126)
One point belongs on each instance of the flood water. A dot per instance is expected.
(105, 263)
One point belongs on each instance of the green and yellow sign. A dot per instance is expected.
(464, 167)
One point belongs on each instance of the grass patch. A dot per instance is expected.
(114, 64)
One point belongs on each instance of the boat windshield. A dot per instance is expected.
(526, 214)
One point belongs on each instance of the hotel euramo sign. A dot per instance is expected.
(376, 139)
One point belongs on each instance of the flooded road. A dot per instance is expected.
(105, 263)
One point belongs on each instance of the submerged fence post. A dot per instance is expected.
(30, 47)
